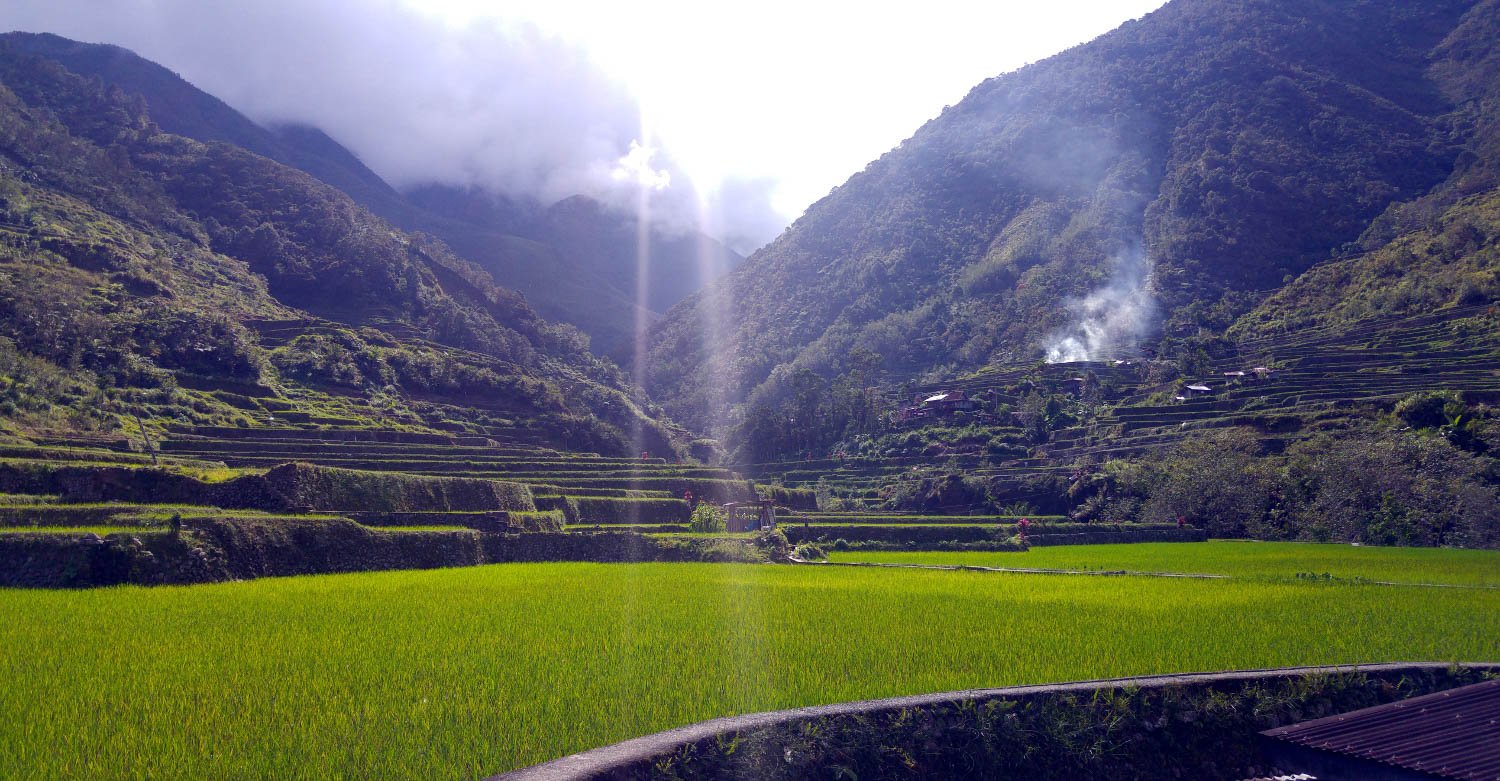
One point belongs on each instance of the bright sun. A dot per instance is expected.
(804, 94)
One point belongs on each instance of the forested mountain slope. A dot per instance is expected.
(1140, 191)
(1440, 250)
(136, 263)
(575, 261)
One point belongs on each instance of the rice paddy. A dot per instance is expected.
(79, 531)
(1236, 558)
(466, 672)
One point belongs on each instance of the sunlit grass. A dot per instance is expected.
(460, 673)
(420, 528)
(1229, 557)
(79, 531)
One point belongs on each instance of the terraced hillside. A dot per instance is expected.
(209, 502)
(1049, 438)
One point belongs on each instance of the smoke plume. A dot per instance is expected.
(1113, 320)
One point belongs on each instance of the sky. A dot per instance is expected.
(733, 116)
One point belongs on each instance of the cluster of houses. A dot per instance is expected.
(1202, 389)
(948, 403)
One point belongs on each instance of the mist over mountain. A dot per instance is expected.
(499, 106)
(584, 275)
(1135, 194)
(135, 262)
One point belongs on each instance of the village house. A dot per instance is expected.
(935, 404)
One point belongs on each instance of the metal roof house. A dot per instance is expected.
(936, 404)
(1448, 735)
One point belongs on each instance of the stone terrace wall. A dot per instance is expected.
(287, 487)
(1178, 726)
(241, 548)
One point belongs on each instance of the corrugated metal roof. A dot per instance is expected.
(935, 397)
(1451, 734)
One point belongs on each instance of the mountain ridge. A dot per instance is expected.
(141, 262)
(1233, 144)
(514, 242)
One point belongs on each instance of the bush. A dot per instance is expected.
(810, 552)
(708, 519)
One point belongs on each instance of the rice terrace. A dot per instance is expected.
(430, 413)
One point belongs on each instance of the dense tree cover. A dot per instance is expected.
(813, 413)
(1379, 487)
(129, 255)
(1225, 146)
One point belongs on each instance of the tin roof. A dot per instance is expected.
(1452, 734)
(935, 397)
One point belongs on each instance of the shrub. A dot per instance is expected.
(708, 519)
(808, 551)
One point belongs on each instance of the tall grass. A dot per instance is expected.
(460, 673)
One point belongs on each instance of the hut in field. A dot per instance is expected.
(750, 516)
(1193, 391)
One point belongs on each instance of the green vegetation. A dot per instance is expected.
(708, 519)
(610, 509)
(371, 675)
(149, 281)
(537, 521)
(1379, 488)
(429, 528)
(83, 530)
(1252, 560)
(1219, 146)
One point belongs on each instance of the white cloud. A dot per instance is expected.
(754, 110)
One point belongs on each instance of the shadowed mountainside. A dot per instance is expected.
(574, 261)
(1139, 192)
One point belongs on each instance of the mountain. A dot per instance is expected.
(574, 261)
(144, 275)
(1139, 194)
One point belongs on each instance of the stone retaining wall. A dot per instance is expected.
(1202, 726)
(211, 550)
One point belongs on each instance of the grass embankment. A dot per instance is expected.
(1262, 560)
(79, 531)
(460, 673)
(429, 528)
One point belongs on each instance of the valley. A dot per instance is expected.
(1176, 352)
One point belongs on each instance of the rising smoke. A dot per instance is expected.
(1113, 320)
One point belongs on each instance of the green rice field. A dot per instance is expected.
(420, 528)
(460, 673)
(79, 531)
(1236, 558)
